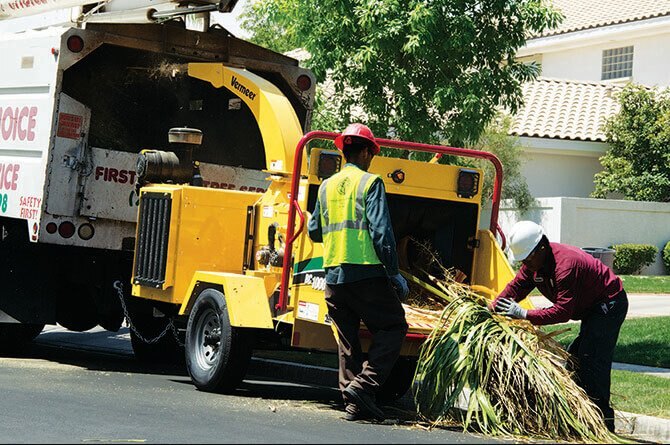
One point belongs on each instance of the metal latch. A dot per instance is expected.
(473, 243)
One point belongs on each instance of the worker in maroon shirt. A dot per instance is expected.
(581, 288)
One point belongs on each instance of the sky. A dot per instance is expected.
(230, 21)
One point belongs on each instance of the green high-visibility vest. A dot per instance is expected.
(344, 225)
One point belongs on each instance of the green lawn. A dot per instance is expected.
(646, 284)
(641, 394)
(642, 341)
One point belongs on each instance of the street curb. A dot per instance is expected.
(655, 429)
(647, 428)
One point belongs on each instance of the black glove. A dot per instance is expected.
(399, 285)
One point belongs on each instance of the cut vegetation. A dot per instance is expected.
(508, 376)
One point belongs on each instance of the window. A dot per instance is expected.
(617, 62)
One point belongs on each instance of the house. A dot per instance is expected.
(598, 48)
(560, 128)
(609, 40)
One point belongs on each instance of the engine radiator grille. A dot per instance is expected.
(152, 243)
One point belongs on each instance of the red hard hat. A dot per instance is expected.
(359, 131)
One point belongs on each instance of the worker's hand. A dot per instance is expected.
(400, 286)
(510, 308)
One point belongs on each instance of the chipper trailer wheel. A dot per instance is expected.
(217, 354)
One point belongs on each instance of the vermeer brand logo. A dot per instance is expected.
(242, 89)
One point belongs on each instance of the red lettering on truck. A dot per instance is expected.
(111, 174)
(9, 176)
(23, 4)
(18, 123)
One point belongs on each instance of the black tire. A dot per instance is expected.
(217, 354)
(15, 336)
(399, 381)
(75, 307)
(165, 350)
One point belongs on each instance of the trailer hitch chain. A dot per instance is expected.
(170, 327)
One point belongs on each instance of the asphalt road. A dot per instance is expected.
(69, 389)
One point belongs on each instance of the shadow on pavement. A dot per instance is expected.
(95, 360)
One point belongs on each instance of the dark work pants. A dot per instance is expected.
(373, 301)
(593, 349)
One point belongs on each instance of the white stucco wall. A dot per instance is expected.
(559, 174)
(651, 60)
(586, 222)
(554, 167)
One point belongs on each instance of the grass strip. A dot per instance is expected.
(646, 284)
(642, 341)
(641, 394)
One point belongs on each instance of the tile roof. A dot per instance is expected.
(565, 109)
(585, 14)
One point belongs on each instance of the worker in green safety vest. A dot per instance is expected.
(351, 218)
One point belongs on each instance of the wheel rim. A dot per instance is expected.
(208, 339)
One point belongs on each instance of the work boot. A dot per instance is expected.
(352, 413)
(365, 403)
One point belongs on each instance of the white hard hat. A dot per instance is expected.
(525, 236)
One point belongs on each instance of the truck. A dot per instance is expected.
(78, 102)
(238, 271)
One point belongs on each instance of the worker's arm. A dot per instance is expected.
(518, 288)
(314, 224)
(565, 303)
(380, 227)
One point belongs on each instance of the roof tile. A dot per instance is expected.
(565, 109)
(584, 14)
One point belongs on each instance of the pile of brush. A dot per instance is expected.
(496, 375)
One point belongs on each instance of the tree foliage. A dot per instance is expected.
(495, 139)
(637, 164)
(418, 70)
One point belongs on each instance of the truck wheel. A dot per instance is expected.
(217, 354)
(399, 382)
(165, 350)
(14, 336)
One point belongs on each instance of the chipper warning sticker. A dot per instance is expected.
(308, 311)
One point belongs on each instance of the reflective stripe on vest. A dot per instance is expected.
(344, 224)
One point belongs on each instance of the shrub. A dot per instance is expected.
(666, 257)
(630, 258)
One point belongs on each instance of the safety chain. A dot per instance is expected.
(170, 327)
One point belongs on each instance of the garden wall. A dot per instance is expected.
(586, 222)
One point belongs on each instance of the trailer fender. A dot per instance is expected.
(247, 302)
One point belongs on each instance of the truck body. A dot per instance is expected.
(239, 271)
(77, 104)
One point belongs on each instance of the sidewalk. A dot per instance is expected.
(639, 305)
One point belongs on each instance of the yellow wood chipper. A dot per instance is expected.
(238, 269)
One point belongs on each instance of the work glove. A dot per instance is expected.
(510, 308)
(400, 286)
